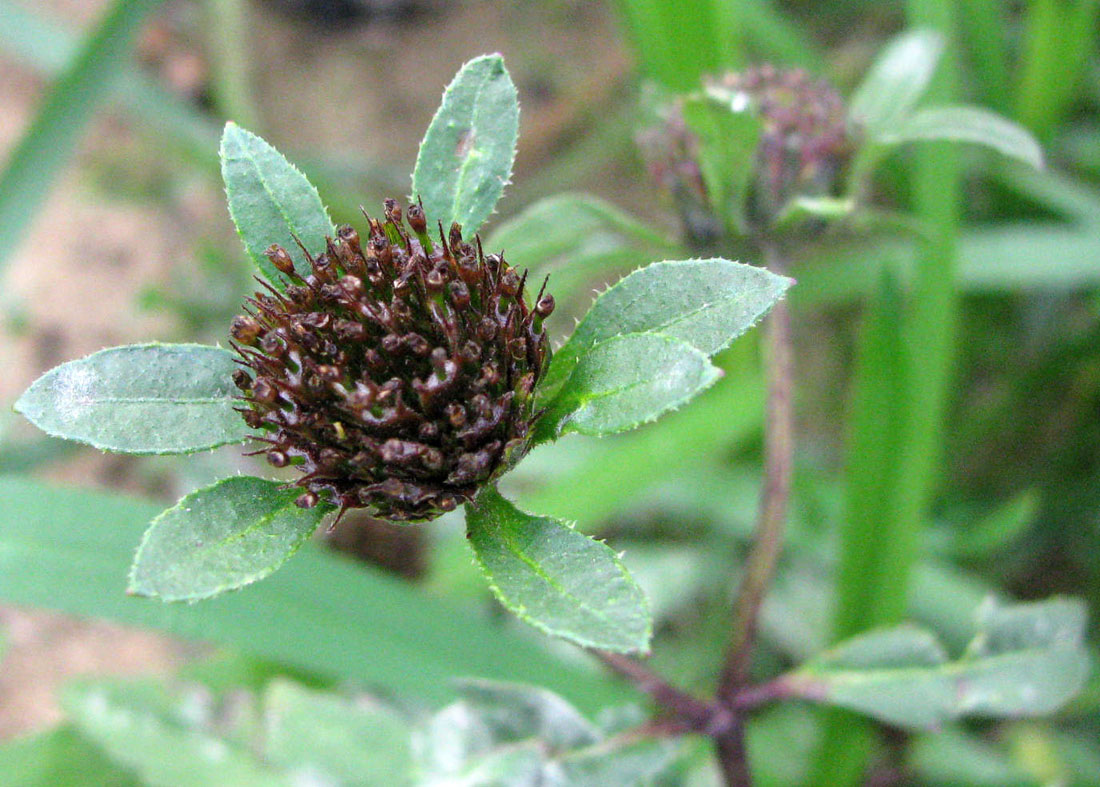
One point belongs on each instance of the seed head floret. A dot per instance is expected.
(399, 374)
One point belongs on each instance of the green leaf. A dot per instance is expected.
(728, 130)
(624, 382)
(334, 739)
(515, 712)
(270, 201)
(58, 758)
(896, 81)
(50, 140)
(576, 235)
(967, 124)
(953, 758)
(466, 157)
(557, 579)
(628, 761)
(997, 529)
(706, 303)
(903, 646)
(140, 399)
(163, 740)
(341, 620)
(525, 735)
(220, 538)
(801, 209)
(1026, 660)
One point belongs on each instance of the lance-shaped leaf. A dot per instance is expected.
(1026, 660)
(467, 153)
(706, 303)
(625, 382)
(140, 399)
(896, 81)
(967, 124)
(557, 579)
(220, 538)
(271, 201)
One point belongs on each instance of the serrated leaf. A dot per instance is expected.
(896, 81)
(1026, 660)
(220, 538)
(271, 201)
(967, 124)
(466, 156)
(706, 303)
(624, 382)
(326, 738)
(557, 579)
(140, 399)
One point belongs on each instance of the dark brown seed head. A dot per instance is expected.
(395, 377)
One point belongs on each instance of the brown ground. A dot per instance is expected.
(89, 253)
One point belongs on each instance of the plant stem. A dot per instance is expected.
(778, 465)
(723, 720)
(695, 714)
(733, 757)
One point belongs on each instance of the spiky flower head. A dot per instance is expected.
(805, 139)
(400, 374)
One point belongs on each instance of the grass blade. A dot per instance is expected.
(69, 551)
(53, 134)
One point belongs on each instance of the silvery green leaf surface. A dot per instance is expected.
(896, 81)
(967, 124)
(517, 711)
(706, 303)
(271, 201)
(466, 156)
(556, 578)
(220, 538)
(166, 741)
(1025, 660)
(140, 399)
(335, 740)
(627, 762)
(513, 734)
(625, 382)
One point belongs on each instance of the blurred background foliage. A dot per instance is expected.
(112, 228)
